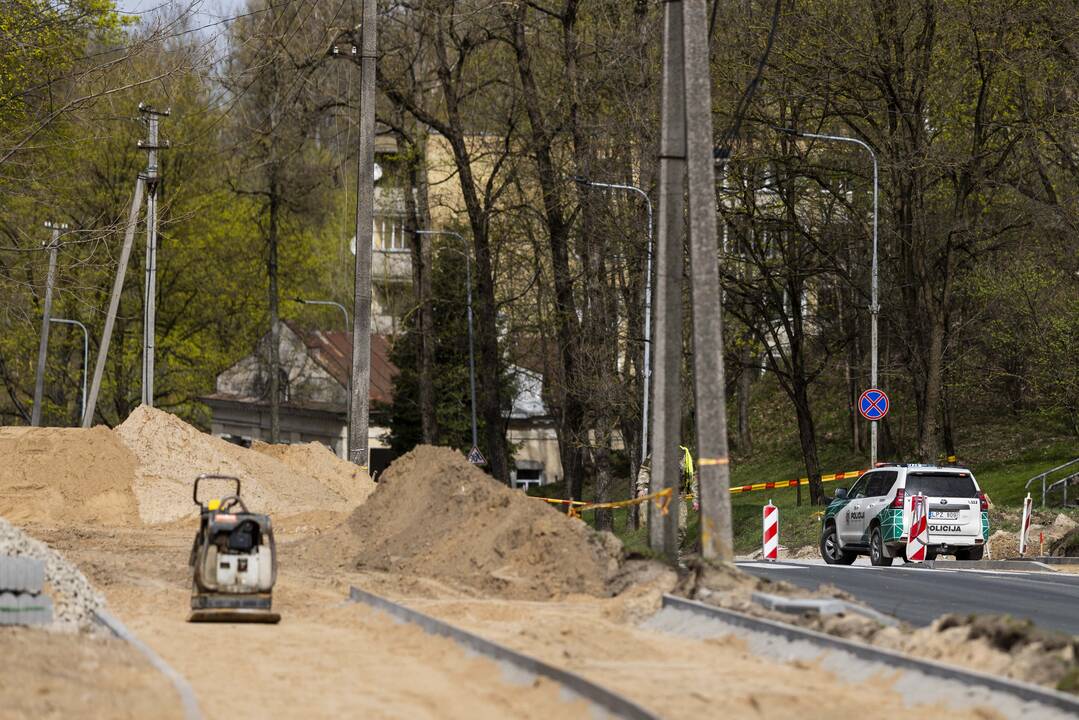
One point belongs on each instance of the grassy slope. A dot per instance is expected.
(1003, 452)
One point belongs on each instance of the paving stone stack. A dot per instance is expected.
(22, 602)
(73, 600)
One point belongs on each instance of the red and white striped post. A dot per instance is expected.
(770, 535)
(918, 538)
(1024, 528)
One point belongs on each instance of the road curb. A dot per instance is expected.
(1026, 692)
(1025, 564)
(600, 697)
(178, 681)
(1049, 560)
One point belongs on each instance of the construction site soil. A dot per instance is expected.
(437, 534)
(437, 515)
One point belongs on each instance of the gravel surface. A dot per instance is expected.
(73, 597)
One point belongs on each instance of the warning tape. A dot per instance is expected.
(794, 483)
(663, 497)
(576, 507)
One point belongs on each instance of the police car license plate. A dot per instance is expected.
(943, 514)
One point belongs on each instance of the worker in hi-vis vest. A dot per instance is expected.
(688, 484)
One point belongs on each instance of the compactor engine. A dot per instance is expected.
(233, 561)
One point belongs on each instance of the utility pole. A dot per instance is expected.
(365, 211)
(43, 346)
(149, 320)
(687, 148)
(713, 461)
(666, 410)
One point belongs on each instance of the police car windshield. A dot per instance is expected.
(941, 484)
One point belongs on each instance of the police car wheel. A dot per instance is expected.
(876, 550)
(830, 550)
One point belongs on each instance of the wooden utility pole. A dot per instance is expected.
(365, 210)
(687, 146)
(43, 346)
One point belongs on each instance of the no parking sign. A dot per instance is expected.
(873, 404)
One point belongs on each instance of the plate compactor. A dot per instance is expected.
(233, 561)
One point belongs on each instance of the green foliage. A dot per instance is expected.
(451, 379)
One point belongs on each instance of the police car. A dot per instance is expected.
(873, 516)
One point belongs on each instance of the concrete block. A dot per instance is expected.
(9, 608)
(34, 609)
(22, 574)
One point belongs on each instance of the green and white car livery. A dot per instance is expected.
(873, 516)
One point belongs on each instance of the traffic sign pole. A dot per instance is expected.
(873, 404)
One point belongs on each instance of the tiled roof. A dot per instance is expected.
(332, 349)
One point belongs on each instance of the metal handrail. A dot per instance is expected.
(1043, 476)
(1064, 482)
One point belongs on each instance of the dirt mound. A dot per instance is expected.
(318, 461)
(435, 514)
(66, 475)
(172, 453)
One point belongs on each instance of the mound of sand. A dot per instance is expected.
(172, 453)
(66, 475)
(317, 461)
(434, 514)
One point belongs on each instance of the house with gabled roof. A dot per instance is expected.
(315, 370)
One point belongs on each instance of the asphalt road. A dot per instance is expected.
(919, 595)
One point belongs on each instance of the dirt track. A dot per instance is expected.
(328, 658)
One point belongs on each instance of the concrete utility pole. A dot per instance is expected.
(713, 462)
(666, 410)
(114, 303)
(43, 347)
(149, 320)
(687, 145)
(365, 211)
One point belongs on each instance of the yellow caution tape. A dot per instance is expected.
(661, 498)
(849, 474)
(576, 507)
(701, 462)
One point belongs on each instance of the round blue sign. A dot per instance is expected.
(873, 404)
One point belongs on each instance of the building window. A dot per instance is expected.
(389, 233)
(524, 478)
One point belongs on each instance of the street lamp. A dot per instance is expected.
(471, 342)
(348, 404)
(85, 358)
(647, 302)
(874, 306)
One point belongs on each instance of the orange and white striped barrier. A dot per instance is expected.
(1024, 527)
(919, 529)
(770, 534)
(846, 475)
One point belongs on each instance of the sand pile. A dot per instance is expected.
(317, 461)
(172, 453)
(66, 475)
(434, 514)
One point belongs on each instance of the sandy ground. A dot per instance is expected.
(329, 658)
(59, 675)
